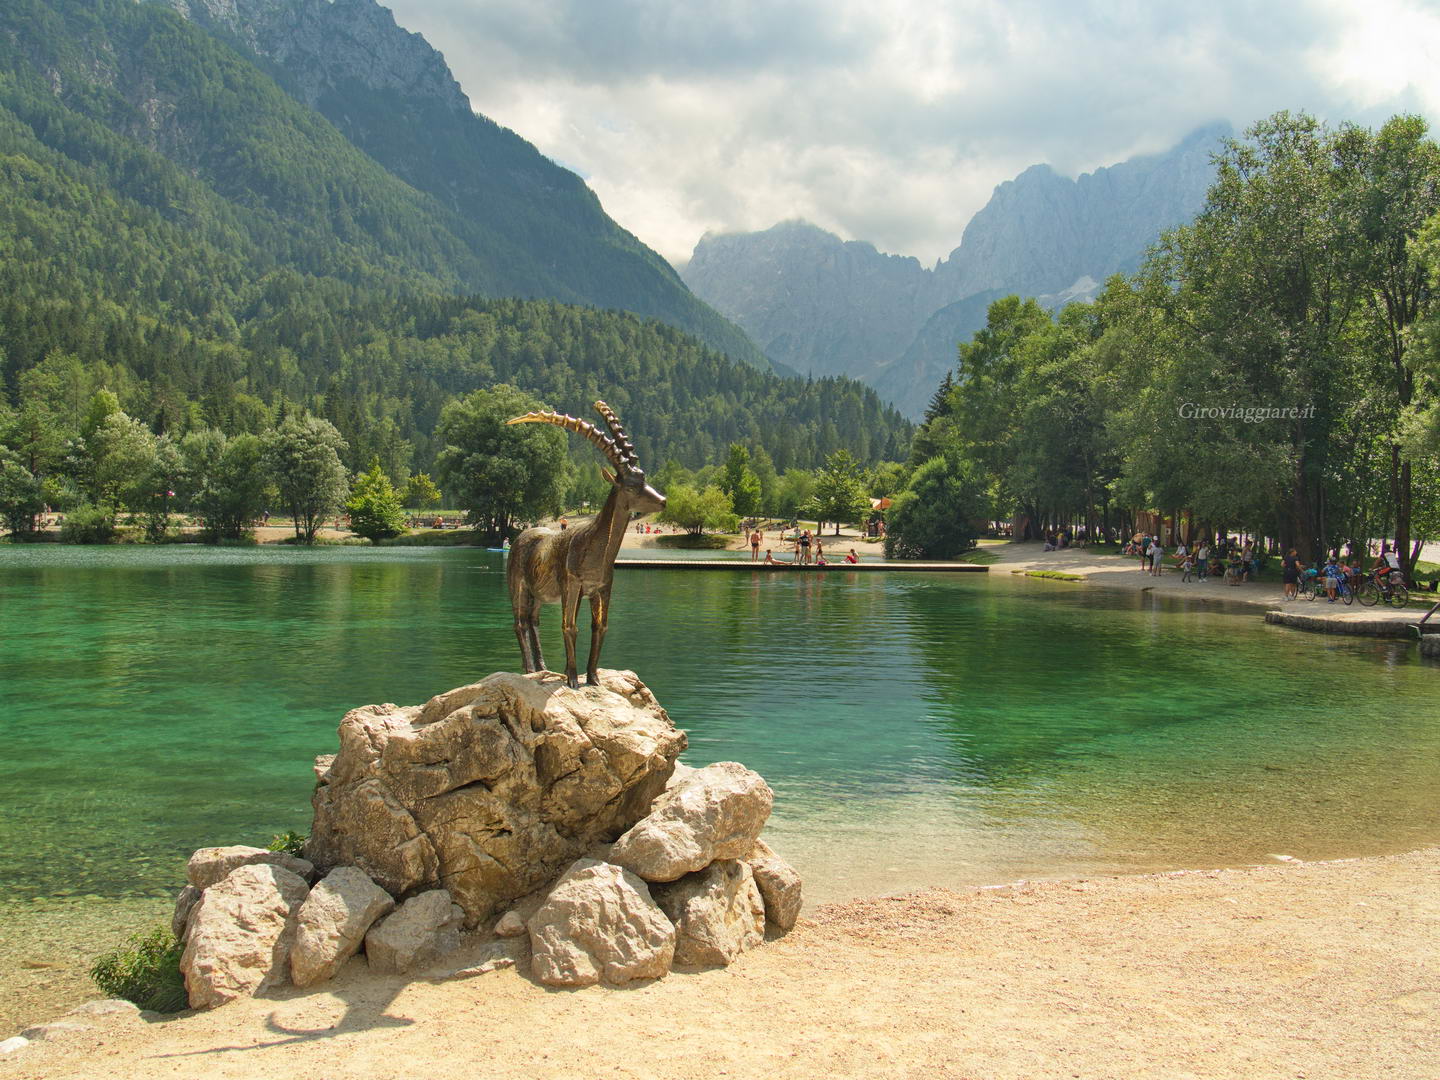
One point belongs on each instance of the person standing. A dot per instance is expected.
(1202, 559)
(1290, 573)
(755, 538)
(1157, 558)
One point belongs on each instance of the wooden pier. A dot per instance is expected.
(840, 567)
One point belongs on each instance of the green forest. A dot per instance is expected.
(179, 232)
(1273, 369)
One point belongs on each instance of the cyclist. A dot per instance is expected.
(1387, 563)
(1334, 576)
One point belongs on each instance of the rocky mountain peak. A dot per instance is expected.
(323, 44)
(818, 303)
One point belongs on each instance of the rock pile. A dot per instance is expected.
(565, 809)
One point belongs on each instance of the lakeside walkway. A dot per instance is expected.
(834, 567)
(1267, 595)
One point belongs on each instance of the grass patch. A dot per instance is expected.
(434, 538)
(1053, 575)
(145, 970)
(693, 541)
(978, 557)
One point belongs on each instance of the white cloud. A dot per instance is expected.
(893, 122)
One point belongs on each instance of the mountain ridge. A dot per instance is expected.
(818, 303)
(392, 96)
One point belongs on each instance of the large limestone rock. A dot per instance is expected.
(240, 933)
(599, 923)
(717, 912)
(491, 789)
(713, 813)
(778, 883)
(209, 865)
(332, 923)
(424, 930)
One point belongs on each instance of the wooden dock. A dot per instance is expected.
(840, 567)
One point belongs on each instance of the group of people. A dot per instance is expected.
(1337, 574)
(1237, 562)
(809, 550)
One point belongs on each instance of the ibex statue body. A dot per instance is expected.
(559, 566)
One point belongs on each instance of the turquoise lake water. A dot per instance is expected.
(917, 729)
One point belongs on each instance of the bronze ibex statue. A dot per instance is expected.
(562, 565)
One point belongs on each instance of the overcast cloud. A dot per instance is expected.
(892, 122)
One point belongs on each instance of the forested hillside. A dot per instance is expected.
(177, 228)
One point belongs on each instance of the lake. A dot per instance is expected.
(917, 729)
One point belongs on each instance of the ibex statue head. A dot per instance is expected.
(561, 566)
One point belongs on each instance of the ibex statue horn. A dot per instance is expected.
(562, 565)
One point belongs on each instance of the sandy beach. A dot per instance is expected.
(1321, 970)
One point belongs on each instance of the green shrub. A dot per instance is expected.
(434, 538)
(145, 970)
(89, 525)
(290, 842)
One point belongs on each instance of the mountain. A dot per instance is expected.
(393, 96)
(798, 289)
(817, 303)
(178, 223)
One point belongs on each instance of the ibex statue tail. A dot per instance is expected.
(560, 566)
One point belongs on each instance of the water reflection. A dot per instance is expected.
(917, 729)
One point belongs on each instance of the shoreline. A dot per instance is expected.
(1316, 969)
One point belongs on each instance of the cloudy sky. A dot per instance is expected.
(892, 120)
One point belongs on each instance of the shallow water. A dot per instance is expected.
(917, 729)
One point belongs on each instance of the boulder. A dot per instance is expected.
(717, 912)
(332, 923)
(240, 933)
(599, 923)
(712, 813)
(491, 789)
(510, 924)
(778, 883)
(15, 1042)
(107, 1009)
(423, 930)
(184, 904)
(55, 1029)
(209, 865)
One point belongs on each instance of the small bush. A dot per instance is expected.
(435, 538)
(693, 541)
(290, 842)
(89, 525)
(145, 970)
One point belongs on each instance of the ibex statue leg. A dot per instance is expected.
(570, 613)
(537, 659)
(599, 619)
(526, 614)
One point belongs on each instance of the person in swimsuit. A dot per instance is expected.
(755, 538)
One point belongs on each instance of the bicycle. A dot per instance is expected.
(1389, 588)
(1312, 586)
